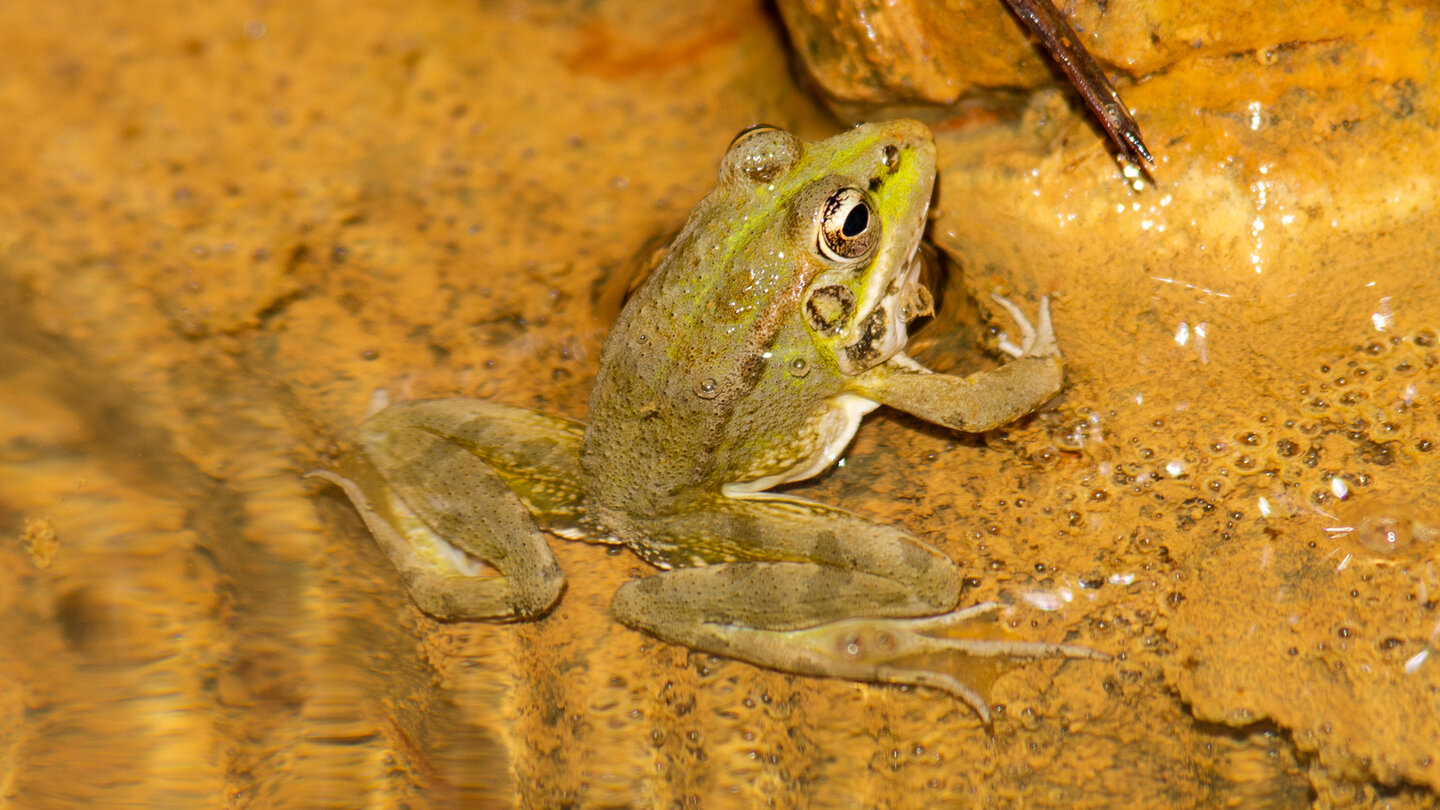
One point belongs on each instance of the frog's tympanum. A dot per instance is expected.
(775, 322)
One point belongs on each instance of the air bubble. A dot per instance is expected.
(1390, 527)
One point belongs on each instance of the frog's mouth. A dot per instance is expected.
(881, 333)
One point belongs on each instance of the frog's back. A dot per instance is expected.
(728, 365)
(696, 374)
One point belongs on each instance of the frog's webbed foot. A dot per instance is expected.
(961, 652)
(1035, 341)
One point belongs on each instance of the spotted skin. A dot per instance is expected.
(775, 322)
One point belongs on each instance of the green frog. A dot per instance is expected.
(776, 320)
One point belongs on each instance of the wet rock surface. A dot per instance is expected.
(1252, 344)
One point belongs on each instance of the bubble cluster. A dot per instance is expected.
(1351, 431)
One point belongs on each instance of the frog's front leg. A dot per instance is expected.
(805, 588)
(443, 481)
(984, 400)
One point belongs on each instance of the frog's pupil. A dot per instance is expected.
(856, 221)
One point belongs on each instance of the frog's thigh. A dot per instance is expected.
(442, 494)
(794, 565)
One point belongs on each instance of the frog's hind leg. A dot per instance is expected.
(444, 483)
(805, 588)
(536, 454)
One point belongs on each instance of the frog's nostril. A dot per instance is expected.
(892, 157)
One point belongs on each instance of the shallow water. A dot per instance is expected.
(227, 226)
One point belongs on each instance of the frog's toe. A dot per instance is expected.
(379, 401)
(1027, 332)
(953, 686)
(961, 653)
(1035, 341)
(967, 668)
(1044, 344)
(972, 631)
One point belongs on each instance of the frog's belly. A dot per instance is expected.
(834, 429)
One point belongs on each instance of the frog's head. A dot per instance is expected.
(857, 212)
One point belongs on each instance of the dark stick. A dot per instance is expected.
(1059, 39)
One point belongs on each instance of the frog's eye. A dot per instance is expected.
(849, 229)
(760, 154)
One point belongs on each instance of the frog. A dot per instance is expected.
(776, 320)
